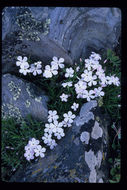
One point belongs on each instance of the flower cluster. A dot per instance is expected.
(54, 129)
(88, 84)
(25, 67)
(53, 69)
(92, 81)
(33, 148)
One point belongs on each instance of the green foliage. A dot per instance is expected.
(14, 139)
(112, 101)
(112, 105)
(115, 171)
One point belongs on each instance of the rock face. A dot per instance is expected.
(81, 156)
(68, 32)
(20, 98)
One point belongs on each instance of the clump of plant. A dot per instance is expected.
(112, 105)
(14, 137)
(68, 87)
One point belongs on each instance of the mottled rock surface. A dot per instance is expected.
(74, 159)
(20, 98)
(68, 32)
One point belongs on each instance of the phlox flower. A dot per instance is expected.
(50, 71)
(77, 68)
(24, 69)
(103, 80)
(113, 80)
(64, 97)
(39, 151)
(69, 72)
(57, 63)
(99, 71)
(29, 155)
(52, 144)
(95, 56)
(92, 81)
(58, 131)
(49, 141)
(36, 68)
(75, 106)
(69, 117)
(33, 142)
(21, 61)
(98, 92)
(49, 128)
(86, 76)
(65, 84)
(47, 138)
(88, 64)
(89, 95)
(80, 86)
(52, 115)
(66, 124)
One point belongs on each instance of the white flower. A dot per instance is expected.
(49, 141)
(95, 56)
(99, 71)
(50, 71)
(49, 128)
(52, 144)
(28, 147)
(52, 115)
(38, 64)
(24, 69)
(68, 117)
(98, 92)
(88, 64)
(29, 155)
(64, 97)
(86, 76)
(89, 95)
(33, 142)
(57, 62)
(77, 68)
(47, 138)
(92, 81)
(58, 131)
(116, 81)
(65, 84)
(39, 151)
(80, 86)
(95, 65)
(113, 80)
(66, 124)
(36, 68)
(103, 80)
(75, 106)
(21, 61)
(69, 72)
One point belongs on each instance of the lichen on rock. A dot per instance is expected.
(84, 137)
(96, 131)
(16, 91)
(21, 98)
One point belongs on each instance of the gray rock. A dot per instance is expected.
(43, 50)
(69, 32)
(81, 31)
(73, 160)
(20, 98)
